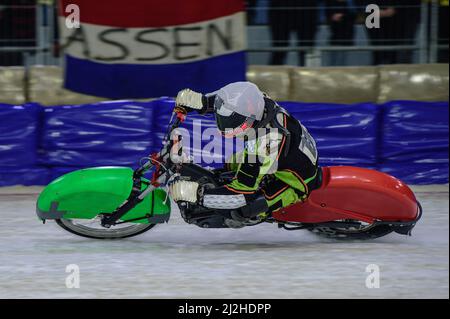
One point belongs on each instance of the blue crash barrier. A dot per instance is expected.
(19, 131)
(200, 137)
(28, 176)
(345, 134)
(406, 139)
(106, 133)
(415, 141)
(162, 109)
(19, 125)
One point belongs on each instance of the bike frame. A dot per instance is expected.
(137, 195)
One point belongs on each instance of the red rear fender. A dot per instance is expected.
(354, 193)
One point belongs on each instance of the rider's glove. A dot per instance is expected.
(189, 99)
(184, 191)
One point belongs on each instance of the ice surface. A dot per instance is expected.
(181, 261)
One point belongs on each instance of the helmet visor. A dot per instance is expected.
(233, 125)
(229, 122)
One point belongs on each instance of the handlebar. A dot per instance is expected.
(156, 158)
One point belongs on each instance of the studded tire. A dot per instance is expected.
(367, 233)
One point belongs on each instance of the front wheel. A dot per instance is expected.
(93, 229)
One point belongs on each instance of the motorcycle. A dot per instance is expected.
(119, 202)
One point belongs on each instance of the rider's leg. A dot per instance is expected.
(286, 189)
(285, 197)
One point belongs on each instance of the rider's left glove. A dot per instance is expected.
(190, 99)
(184, 191)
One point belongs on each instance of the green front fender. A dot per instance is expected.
(85, 193)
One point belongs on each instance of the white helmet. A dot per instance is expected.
(238, 107)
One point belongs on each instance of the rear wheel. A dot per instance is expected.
(363, 232)
(92, 228)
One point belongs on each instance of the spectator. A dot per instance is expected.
(399, 20)
(17, 29)
(407, 23)
(341, 17)
(287, 16)
(251, 11)
(384, 35)
(443, 30)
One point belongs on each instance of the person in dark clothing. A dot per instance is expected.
(443, 30)
(17, 29)
(251, 11)
(287, 16)
(399, 20)
(341, 17)
(385, 35)
(407, 21)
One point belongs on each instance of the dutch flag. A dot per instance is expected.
(151, 48)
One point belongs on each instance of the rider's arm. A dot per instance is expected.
(208, 103)
(241, 191)
(245, 186)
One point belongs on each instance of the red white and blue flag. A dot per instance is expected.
(150, 48)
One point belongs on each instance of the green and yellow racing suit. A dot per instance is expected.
(268, 166)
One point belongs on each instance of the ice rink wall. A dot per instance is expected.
(404, 138)
(391, 118)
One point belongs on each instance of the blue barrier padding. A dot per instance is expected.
(418, 174)
(27, 176)
(345, 134)
(19, 125)
(406, 139)
(415, 141)
(161, 116)
(107, 133)
(201, 138)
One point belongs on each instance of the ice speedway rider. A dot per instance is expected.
(286, 166)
